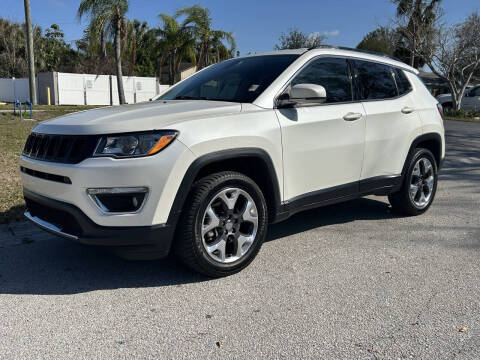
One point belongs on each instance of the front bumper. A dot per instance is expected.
(68, 221)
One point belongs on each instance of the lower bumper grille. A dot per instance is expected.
(61, 219)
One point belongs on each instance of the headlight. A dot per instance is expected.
(134, 144)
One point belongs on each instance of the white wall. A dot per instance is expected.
(80, 89)
(15, 89)
(85, 89)
(71, 89)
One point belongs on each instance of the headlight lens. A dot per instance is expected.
(134, 144)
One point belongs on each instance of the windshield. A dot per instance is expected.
(236, 80)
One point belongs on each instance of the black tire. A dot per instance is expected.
(401, 200)
(189, 245)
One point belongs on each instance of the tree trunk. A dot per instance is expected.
(161, 61)
(412, 53)
(118, 60)
(201, 56)
(103, 42)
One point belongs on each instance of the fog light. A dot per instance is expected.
(119, 200)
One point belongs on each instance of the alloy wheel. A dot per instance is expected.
(229, 225)
(422, 182)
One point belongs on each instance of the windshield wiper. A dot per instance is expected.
(186, 97)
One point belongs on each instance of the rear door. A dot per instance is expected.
(391, 122)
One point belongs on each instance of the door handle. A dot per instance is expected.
(407, 110)
(352, 116)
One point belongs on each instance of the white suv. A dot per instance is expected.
(204, 169)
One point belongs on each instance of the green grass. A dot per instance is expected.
(13, 133)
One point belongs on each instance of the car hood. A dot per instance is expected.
(139, 117)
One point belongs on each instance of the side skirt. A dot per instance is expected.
(379, 185)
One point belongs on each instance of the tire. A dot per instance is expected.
(419, 185)
(220, 232)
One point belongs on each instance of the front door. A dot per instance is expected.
(323, 144)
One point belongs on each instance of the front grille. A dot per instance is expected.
(65, 221)
(68, 149)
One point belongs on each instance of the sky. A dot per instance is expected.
(256, 24)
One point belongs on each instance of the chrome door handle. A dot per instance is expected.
(407, 110)
(352, 116)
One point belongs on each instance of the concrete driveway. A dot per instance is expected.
(346, 281)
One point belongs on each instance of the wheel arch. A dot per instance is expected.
(430, 141)
(252, 162)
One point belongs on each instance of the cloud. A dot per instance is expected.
(331, 33)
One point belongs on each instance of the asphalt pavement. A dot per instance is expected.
(348, 281)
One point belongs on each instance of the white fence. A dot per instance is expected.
(15, 89)
(83, 89)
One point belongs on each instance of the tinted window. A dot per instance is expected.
(237, 80)
(475, 92)
(332, 74)
(375, 81)
(402, 82)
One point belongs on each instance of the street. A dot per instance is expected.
(347, 281)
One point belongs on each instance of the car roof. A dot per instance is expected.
(342, 51)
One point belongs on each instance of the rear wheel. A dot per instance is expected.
(419, 185)
(223, 225)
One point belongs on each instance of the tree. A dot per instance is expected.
(454, 55)
(12, 50)
(53, 49)
(176, 43)
(382, 40)
(108, 17)
(415, 20)
(295, 39)
(199, 22)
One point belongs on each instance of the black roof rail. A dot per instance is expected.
(355, 50)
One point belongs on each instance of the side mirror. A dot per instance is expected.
(304, 94)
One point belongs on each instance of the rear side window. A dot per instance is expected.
(403, 84)
(374, 81)
(475, 92)
(332, 74)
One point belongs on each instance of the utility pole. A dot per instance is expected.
(31, 59)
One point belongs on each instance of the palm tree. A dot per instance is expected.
(199, 22)
(176, 43)
(419, 17)
(108, 17)
(136, 32)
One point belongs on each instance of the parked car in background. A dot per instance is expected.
(470, 101)
(250, 141)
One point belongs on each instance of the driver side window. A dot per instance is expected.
(332, 74)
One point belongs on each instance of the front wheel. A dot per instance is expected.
(223, 225)
(419, 185)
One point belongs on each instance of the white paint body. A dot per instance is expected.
(311, 148)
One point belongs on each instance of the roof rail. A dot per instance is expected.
(355, 50)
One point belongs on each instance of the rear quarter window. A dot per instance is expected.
(403, 84)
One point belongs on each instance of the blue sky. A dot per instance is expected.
(256, 24)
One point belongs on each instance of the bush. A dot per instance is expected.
(465, 114)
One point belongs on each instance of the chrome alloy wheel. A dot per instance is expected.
(229, 226)
(422, 182)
